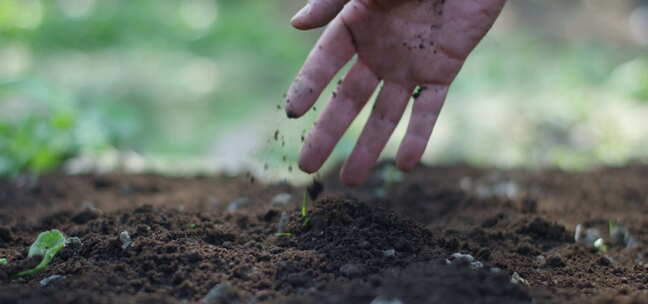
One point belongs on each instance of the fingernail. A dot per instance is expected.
(301, 14)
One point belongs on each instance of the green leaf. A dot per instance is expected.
(283, 234)
(3, 261)
(47, 244)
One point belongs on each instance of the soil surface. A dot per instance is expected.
(436, 235)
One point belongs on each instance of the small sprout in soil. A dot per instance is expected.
(304, 206)
(3, 261)
(304, 210)
(600, 245)
(125, 239)
(47, 244)
(283, 234)
(193, 225)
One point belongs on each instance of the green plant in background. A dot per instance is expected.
(51, 130)
(47, 244)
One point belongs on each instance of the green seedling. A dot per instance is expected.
(3, 261)
(47, 244)
(304, 210)
(304, 206)
(600, 245)
(193, 225)
(282, 234)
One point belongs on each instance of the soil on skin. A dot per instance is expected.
(390, 241)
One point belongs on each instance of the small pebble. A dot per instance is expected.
(351, 270)
(517, 279)
(476, 265)
(74, 242)
(49, 279)
(496, 270)
(463, 257)
(125, 238)
(221, 293)
(389, 252)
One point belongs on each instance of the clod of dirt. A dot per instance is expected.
(546, 235)
(351, 232)
(86, 216)
(5, 235)
(554, 262)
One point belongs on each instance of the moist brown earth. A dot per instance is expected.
(390, 241)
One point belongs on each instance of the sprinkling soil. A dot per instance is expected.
(438, 235)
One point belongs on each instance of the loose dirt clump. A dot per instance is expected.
(356, 237)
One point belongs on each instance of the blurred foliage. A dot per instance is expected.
(179, 81)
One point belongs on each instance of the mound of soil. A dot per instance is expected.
(437, 235)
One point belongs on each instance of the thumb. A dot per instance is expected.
(317, 13)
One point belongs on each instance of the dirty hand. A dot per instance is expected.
(403, 43)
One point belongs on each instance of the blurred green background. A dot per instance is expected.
(193, 86)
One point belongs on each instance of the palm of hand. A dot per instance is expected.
(404, 43)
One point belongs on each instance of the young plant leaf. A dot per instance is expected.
(3, 261)
(283, 234)
(47, 244)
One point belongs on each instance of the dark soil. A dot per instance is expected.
(390, 241)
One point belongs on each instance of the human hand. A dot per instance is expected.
(404, 44)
